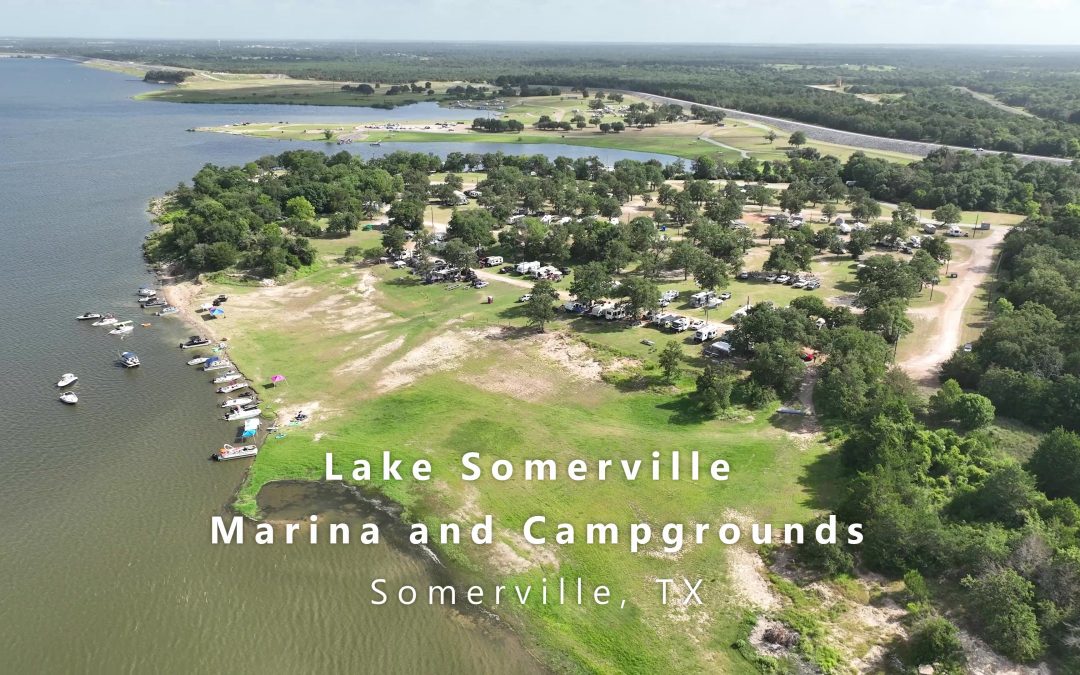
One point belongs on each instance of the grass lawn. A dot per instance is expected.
(507, 397)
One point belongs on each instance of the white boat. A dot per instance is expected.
(86, 316)
(69, 397)
(220, 364)
(194, 341)
(107, 320)
(129, 360)
(230, 376)
(147, 292)
(229, 388)
(241, 414)
(66, 379)
(123, 328)
(168, 309)
(229, 452)
(199, 360)
(234, 402)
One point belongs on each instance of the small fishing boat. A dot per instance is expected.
(66, 379)
(194, 341)
(168, 309)
(199, 360)
(153, 302)
(375, 144)
(242, 414)
(145, 292)
(229, 388)
(230, 376)
(107, 320)
(86, 316)
(69, 397)
(238, 401)
(123, 328)
(129, 360)
(220, 364)
(229, 452)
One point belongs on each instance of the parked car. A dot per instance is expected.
(968, 347)
(506, 269)
(479, 283)
(525, 298)
(725, 296)
(782, 279)
(770, 277)
(744, 276)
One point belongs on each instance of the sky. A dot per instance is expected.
(1035, 22)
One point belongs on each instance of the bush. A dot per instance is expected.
(936, 640)
(1002, 604)
(973, 411)
(753, 395)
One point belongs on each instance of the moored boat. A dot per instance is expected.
(217, 365)
(145, 292)
(194, 341)
(238, 401)
(168, 309)
(107, 320)
(230, 376)
(66, 379)
(86, 316)
(229, 452)
(199, 360)
(69, 397)
(242, 414)
(229, 388)
(152, 302)
(129, 360)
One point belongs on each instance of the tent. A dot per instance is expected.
(277, 379)
(216, 312)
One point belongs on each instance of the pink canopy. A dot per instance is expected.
(277, 378)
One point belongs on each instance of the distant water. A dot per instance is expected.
(105, 561)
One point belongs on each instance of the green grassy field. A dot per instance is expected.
(505, 395)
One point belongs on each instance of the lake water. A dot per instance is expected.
(105, 560)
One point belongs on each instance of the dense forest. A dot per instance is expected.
(167, 76)
(1028, 359)
(927, 99)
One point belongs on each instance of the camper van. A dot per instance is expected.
(614, 313)
(707, 332)
(598, 310)
(701, 299)
(460, 198)
(955, 231)
(527, 267)
(717, 350)
(929, 228)
(493, 260)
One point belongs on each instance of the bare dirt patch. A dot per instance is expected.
(364, 363)
(571, 355)
(440, 353)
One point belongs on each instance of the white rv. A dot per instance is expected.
(527, 267)
(614, 313)
(702, 298)
(707, 332)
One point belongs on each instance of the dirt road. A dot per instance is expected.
(938, 345)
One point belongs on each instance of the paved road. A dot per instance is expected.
(849, 138)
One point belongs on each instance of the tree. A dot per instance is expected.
(714, 387)
(828, 212)
(354, 252)
(889, 318)
(797, 139)
(540, 308)
(592, 282)
(710, 273)
(342, 223)
(671, 357)
(683, 256)
(948, 214)
(1002, 602)
(407, 213)
(943, 401)
(973, 411)
(641, 295)
(1056, 465)
(859, 242)
(299, 207)
(394, 239)
(770, 136)
(459, 254)
(760, 195)
(472, 226)
(777, 365)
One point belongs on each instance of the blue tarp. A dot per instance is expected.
(249, 433)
